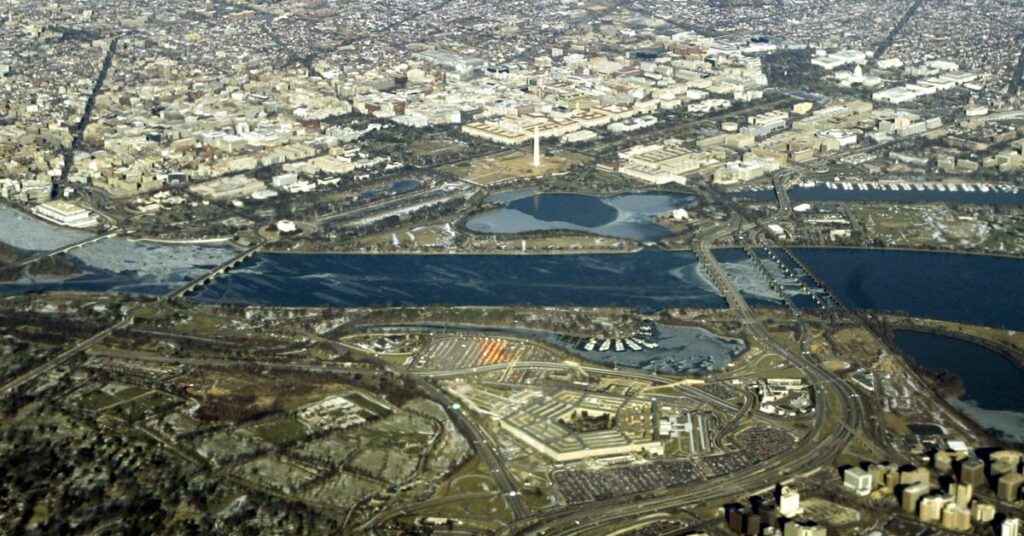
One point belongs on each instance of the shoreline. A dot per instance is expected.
(953, 401)
(588, 251)
(1011, 353)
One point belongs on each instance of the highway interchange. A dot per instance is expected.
(837, 417)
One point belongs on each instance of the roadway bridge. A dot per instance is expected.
(212, 275)
(67, 248)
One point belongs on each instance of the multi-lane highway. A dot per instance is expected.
(482, 444)
(63, 357)
(838, 414)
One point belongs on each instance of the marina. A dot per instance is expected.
(980, 193)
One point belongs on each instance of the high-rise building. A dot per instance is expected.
(1009, 486)
(1010, 527)
(962, 493)
(982, 512)
(914, 476)
(1011, 457)
(943, 461)
(912, 495)
(858, 480)
(956, 517)
(930, 510)
(788, 500)
(972, 472)
(768, 513)
(1000, 468)
(734, 514)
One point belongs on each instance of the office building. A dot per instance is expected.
(1008, 488)
(912, 495)
(858, 480)
(789, 501)
(930, 509)
(956, 517)
(1010, 527)
(961, 493)
(972, 471)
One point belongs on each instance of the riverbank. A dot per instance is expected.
(974, 380)
(906, 249)
(1007, 343)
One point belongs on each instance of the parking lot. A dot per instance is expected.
(457, 353)
(762, 442)
(580, 485)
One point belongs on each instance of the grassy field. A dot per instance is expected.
(280, 431)
(436, 147)
(512, 164)
(933, 226)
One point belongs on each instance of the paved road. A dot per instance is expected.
(482, 444)
(838, 414)
(63, 357)
(65, 249)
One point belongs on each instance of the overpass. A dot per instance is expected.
(838, 414)
(212, 275)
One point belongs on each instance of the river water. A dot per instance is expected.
(975, 289)
(994, 386)
(627, 216)
(650, 280)
(966, 288)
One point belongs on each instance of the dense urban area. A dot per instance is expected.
(609, 267)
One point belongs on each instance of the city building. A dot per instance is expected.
(65, 213)
(858, 480)
(982, 512)
(788, 500)
(956, 517)
(796, 528)
(912, 495)
(1010, 527)
(930, 508)
(226, 188)
(1008, 487)
(972, 471)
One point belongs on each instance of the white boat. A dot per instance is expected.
(619, 346)
(605, 345)
(984, 188)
